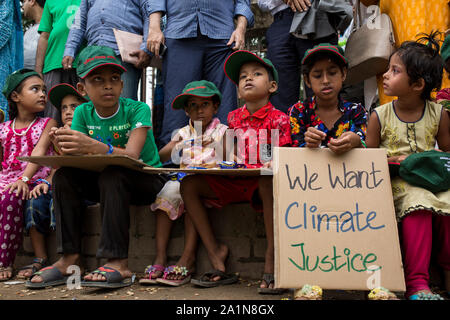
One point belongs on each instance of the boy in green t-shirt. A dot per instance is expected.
(108, 124)
(54, 28)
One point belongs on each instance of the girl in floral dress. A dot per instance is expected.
(25, 134)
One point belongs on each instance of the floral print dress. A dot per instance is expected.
(303, 115)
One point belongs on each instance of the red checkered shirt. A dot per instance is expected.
(254, 133)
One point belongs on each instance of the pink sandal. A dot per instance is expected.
(149, 272)
(175, 270)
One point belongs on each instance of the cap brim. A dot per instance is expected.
(313, 52)
(58, 92)
(232, 65)
(85, 74)
(180, 101)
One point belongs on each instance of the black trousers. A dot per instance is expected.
(116, 188)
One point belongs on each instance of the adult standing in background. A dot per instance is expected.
(199, 36)
(286, 50)
(95, 23)
(54, 28)
(32, 10)
(11, 44)
(409, 19)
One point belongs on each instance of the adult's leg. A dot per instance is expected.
(416, 247)
(216, 54)
(193, 189)
(183, 63)
(281, 50)
(130, 81)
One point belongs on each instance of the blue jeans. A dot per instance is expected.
(130, 81)
(286, 53)
(194, 59)
(39, 213)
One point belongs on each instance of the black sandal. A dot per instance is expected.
(43, 262)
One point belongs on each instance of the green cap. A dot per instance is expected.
(234, 62)
(15, 78)
(445, 49)
(58, 92)
(202, 89)
(328, 48)
(93, 57)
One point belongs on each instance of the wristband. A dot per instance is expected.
(44, 181)
(25, 179)
(111, 149)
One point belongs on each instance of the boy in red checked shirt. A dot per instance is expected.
(253, 125)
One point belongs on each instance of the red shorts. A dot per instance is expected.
(234, 189)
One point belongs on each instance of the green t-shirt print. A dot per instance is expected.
(116, 129)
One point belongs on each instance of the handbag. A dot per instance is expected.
(369, 46)
(429, 170)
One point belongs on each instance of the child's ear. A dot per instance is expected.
(306, 79)
(14, 96)
(273, 86)
(344, 74)
(419, 85)
(81, 89)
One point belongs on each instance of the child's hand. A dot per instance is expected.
(347, 141)
(73, 142)
(268, 165)
(38, 190)
(314, 137)
(19, 187)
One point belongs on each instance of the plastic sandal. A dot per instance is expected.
(43, 262)
(175, 270)
(425, 296)
(149, 272)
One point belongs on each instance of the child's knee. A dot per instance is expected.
(189, 185)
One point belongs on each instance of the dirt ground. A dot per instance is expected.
(244, 289)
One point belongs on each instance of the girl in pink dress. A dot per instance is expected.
(25, 134)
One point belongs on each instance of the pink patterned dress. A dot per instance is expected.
(11, 207)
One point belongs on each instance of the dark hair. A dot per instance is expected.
(41, 3)
(423, 61)
(12, 106)
(306, 68)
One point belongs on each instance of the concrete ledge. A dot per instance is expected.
(237, 225)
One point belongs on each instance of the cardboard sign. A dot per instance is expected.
(334, 220)
(100, 162)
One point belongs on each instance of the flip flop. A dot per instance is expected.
(175, 270)
(269, 278)
(113, 277)
(51, 277)
(425, 296)
(32, 266)
(149, 271)
(225, 278)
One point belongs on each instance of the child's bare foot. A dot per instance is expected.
(5, 273)
(188, 263)
(218, 259)
(268, 269)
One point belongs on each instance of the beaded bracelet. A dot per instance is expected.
(44, 181)
(111, 149)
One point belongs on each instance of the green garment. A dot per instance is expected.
(57, 19)
(116, 129)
